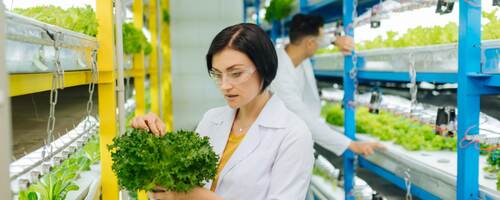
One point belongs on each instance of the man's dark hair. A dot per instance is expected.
(251, 40)
(304, 25)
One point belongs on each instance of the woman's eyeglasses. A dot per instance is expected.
(233, 77)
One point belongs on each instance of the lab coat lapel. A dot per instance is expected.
(221, 126)
(250, 142)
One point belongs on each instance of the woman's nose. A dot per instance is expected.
(225, 85)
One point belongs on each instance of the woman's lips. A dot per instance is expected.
(231, 96)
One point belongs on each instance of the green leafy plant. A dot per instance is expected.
(493, 161)
(134, 40)
(424, 36)
(166, 16)
(178, 161)
(319, 172)
(78, 19)
(27, 195)
(83, 20)
(278, 10)
(60, 181)
(387, 126)
(493, 166)
(491, 29)
(92, 150)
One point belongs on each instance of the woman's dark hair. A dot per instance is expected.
(252, 41)
(304, 25)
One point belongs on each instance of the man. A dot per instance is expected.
(296, 86)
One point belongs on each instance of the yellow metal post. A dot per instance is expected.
(166, 89)
(107, 95)
(138, 63)
(153, 64)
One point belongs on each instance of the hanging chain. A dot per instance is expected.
(355, 164)
(52, 118)
(413, 82)
(498, 59)
(353, 74)
(408, 184)
(93, 82)
(57, 83)
(59, 70)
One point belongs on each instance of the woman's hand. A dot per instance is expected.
(162, 194)
(150, 122)
(197, 193)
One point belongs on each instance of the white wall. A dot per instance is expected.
(194, 23)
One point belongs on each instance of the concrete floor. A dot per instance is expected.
(30, 114)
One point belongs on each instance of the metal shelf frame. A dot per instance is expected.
(322, 8)
(431, 77)
(5, 119)
(471, 80)
(38, 81)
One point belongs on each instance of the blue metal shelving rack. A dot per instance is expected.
(251, 3)
(472, 84)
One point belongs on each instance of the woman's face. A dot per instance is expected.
(236, 76)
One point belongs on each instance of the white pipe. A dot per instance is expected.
(120, 14)
(5, 121)
(119, 9)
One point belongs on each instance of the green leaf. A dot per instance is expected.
(32, 196)
(278, 10)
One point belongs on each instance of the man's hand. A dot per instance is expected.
(365, 148)
(345, 44)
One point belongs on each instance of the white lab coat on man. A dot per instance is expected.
(297, 87)
(273, 162)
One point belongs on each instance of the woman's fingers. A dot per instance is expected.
(161, 126)
(150, 122)
(132, 123)
(139, 122)
(152, 126)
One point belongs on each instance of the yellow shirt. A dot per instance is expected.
(232, 144)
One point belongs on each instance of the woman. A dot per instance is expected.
(266, 152)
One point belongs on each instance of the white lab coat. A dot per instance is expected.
(301, 96)
(273, 162)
